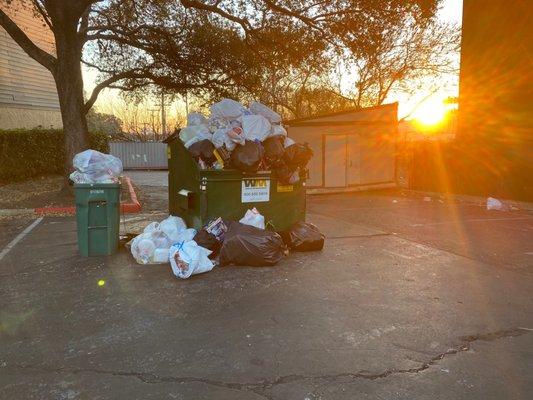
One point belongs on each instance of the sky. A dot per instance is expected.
(451, 11)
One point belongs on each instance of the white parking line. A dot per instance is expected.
(19, 237)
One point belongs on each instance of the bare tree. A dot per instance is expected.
(184, 45)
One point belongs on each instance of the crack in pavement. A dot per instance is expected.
(261, 388)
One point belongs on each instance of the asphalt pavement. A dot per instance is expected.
(410, 299)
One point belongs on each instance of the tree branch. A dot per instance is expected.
(42, 57)
(39, 8)
(105, 83)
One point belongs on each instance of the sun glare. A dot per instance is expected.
(431, 112)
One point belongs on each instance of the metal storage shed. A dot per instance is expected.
(353, 150)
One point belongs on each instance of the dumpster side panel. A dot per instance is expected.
(184, 184)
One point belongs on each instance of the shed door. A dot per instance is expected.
(335, 161)
(353, 176)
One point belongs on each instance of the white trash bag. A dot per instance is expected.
(151, 227)
(95, 167)
(496, 205)
(172, 226)
(196, 118)
(191, 132)
(253, 218)
(150, 247)
(260, 109)
(217, 123)
(278, 130)
(187, 258)
(227, 109)
(236, 135)
(255, 127)
(221, 138)
(288, 142)
(201, 136)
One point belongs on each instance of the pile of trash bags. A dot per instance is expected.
(91, 166)
(247, 139)
(220, 242)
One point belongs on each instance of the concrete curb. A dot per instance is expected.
(133, 206)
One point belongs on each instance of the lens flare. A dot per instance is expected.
(431, 112)
(101, 282)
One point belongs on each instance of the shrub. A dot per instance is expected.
(29, 153)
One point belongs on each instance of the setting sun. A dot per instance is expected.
(431, 112)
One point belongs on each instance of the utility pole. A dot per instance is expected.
(163, 116)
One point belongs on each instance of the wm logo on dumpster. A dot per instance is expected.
(255, 183)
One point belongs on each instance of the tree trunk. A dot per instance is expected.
(69, 83)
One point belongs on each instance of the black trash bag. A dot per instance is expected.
(203, 150)
(248, 245)
(248, 157)
(273, 149)
(207, 241)
(297, 155)
(303, 236)
(283, 172)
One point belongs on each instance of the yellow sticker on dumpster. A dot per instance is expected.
(285, 188)
(255, 190)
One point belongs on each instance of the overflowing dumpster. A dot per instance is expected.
(200, 195)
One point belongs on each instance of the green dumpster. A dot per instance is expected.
(97, 217)
(198, 195)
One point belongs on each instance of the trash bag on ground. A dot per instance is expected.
(274, 150)
(151, 247)
(252, 217)
(256, 127)
(95, 167)
(203, 150)
(297, 155)
(496, 205)
(196, 118)
(172, 226)
(187, 258)
(260, 109)
(247, 158)
(248, 245)
(227, 109)
(303, 236)
(208, 241)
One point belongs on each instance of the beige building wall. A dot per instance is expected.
(28, 96)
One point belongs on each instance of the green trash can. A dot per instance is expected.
(198, 195)
(98, 218)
